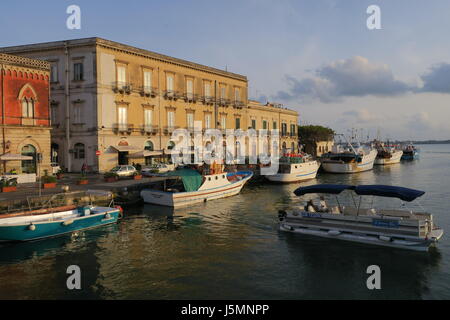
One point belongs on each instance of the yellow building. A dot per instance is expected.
(111, 101)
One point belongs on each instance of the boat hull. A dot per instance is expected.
(306, 171)
(48, 229)
(416, 245)
(396, 156)
(181, 199)
(366, 164)
(410, 156)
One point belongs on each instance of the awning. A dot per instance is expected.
(145, 153)
(323, 188)
(125, 148)
(404, 194)
(14, 157)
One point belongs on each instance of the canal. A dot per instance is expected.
(231, 249)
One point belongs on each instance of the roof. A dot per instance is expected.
(119, 46)
(402, 193)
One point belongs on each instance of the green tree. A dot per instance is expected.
(313, 133)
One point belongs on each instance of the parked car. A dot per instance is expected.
(157, 168)
(124, 170)
(55, 167)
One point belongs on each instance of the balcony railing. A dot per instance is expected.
(123, 128)
(122, 87)
(223, 102)
(149, 129)
(238, 104)
(207, 100)
(170, 129)
(190, 97)
(148, 91)
(171, 95)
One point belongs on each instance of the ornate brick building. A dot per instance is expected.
(24, 112)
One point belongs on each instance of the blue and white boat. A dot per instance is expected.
(185, 187)
(410, 152)
(52, 222)
(399, 228)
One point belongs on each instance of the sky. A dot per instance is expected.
(315, 56)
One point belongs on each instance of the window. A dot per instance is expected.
(169, 83)
(27, 108)
(274, 125)
(207, 121)
(148, 118)
(148, 146)
(29, 166)
(77, 112)
(264, 124)
(283, 128)
(190, 121)
(207, 89)
(190, 88)
(223, 122)
(122, 117)
(147, 81)
(238, 123)
(78, 71)
(78, 151)
(253, 124)
(121, 75)
(54, 114)
(54, 73)
(237, 95)
(171, 119)
(292, 129)
(293, 147)
(223, 92)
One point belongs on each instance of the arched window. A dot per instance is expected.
(29, 166)
(78, 151)
(170, 145)
(148, 146)
(27, 108)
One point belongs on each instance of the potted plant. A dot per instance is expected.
(48, 182)
(82, 180)
(137, 175)
(111, 177)
(8, 185)
(60, 174)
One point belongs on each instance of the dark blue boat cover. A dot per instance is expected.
(323, 188)
(405, 194)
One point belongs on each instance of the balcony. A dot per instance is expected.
(148, 91)
(171, 95)
(149, 129)
(190, 97)
(207, 100)
(123, 128)
(223, 102)
(238, 104)
(122, 87)
(170, 129)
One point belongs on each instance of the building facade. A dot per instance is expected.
(24, 113)
(111, 100)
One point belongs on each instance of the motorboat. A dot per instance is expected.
(51, 222)
(349, 158)
(187, 186)
(295, 168)
(387, 154)
(406, 229)
(410, 152)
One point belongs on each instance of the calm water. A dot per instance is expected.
(231, 249)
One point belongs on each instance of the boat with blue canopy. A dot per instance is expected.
(399, 228)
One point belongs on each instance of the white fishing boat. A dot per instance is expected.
(387, 154)
(406, 229)
(295, 168)
(187, 186)
(350, 159)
